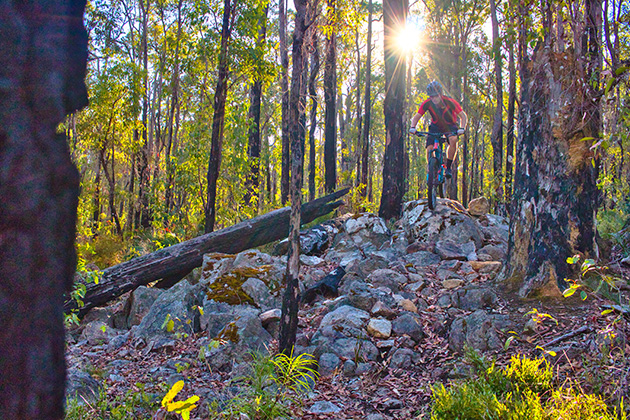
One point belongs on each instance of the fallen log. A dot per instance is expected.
(174, 262)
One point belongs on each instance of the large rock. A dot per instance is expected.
(345, 321)
(409, 324)
(448, 250)
(422, 259)
(139, 303)
(179, 303)
(387, 278)
(478, 330)
(479, 206)
(82, 387)
(379, 328)
(473, 298)
(259, 292)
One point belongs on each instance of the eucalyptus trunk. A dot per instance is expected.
(394, 11)
(289, 318)
(330, 99)
(218, 118)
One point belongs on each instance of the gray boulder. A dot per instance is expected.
(387, 278)
(259, 292)
(345, 321)
(139, 303)
(324, 407)
(408, 324)
(327, 364)
(478, 330)
(82, 387)
(422, 259)
(473, 298)
(176, 302)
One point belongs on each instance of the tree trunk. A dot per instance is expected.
(312, 91)
(497, 125)
(252, 180)
(143, 217)
(555, 194)
(330, 98)
(289, 319)
(39, 186)
(394, 11)
(174, 262)
(365, 143)
(218, 118)
(509, 158)
(172, 133)
(284, 85)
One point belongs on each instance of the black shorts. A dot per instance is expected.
(434, 128)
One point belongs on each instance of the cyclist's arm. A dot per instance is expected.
(415, 119)
(463, 119)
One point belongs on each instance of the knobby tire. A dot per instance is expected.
(432, 184)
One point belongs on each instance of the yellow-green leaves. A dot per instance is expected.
(182, 408)
(168, 324)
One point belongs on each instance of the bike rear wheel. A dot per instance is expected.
(432, 183)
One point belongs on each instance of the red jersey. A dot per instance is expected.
(442, 117)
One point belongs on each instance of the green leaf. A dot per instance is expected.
(583, 295)
(621, 70)
(609, 84)
(569, 292)
(607, 311)
(508, 342)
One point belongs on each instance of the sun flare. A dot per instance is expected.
(408, 37)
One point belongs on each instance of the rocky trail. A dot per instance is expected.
(413, 297)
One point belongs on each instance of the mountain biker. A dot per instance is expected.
(445, 112)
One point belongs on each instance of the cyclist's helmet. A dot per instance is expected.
(434, 88)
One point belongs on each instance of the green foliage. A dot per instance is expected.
(135, 404)
(521, 391)
(273, 385)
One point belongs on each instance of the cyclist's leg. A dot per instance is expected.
(451, 152)
(431, 139)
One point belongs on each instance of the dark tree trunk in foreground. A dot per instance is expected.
(39, 186)
(555, 194)
(394, 12)
(218, 118)
(330, 98)
(284, 85)
(365, 136)
(174, 262)
(289, 320)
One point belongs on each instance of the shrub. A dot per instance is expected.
(521, 391)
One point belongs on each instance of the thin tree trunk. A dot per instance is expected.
(289, 319)
(218, 118)
(365, 143)
(312, 91)
(284, 85)
(509, 158)
(330, 98)
(252, 181)
(168, 196)
(144, 214)
(497, 125)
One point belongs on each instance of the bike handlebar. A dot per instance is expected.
(425, 134)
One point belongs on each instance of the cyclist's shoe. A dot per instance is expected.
(448, 174)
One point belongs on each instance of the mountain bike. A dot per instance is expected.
(436, 167)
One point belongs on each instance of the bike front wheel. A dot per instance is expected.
(432, 183)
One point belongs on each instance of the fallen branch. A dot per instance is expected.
(581, 330)
(173, 263)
